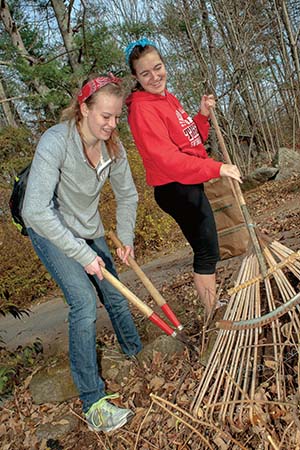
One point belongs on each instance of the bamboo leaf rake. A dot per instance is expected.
(248, 358)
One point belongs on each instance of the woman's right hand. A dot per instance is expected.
(231, 171)
(94, 268)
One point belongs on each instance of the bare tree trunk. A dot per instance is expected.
(212, 74)
(12, 30)
(292, 39)
(63, 15)
(293, 55)
(237, 34)
(4, 102)
(195, 45)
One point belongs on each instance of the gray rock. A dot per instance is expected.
(263, 174)
(53, 384)
(55, 429)
(259, 176)
(166, 345)
(288, 163)
(115, 366)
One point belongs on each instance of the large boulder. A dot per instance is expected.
(53, 384)
(259, 176)
(288, 162)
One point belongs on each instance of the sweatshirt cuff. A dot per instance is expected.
(201, 118)
(214, 167)
(85, 256)
(126, 238)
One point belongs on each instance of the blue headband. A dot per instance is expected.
(142, 42)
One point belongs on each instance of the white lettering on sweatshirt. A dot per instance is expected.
(189, 128)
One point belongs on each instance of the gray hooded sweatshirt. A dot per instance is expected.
(63, 192)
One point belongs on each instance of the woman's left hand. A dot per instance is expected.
(124, 252)
(207, 102)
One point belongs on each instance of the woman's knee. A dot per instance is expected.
(82, 302)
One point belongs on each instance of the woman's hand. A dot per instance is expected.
(94, 268)
(207, 102)
(231, 171)
(124, 252)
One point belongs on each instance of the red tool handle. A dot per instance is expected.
(148, 285)
(162, 324)
(132, 298)
(171, 316)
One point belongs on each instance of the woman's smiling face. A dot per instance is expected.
(150, 72)
(102, 117)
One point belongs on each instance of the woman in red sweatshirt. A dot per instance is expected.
(170, 143)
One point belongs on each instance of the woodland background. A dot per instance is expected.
(244, 52)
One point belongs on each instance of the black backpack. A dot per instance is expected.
(17, 198)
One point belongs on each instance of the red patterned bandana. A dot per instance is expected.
(94, 85)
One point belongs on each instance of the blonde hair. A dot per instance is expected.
(73, 113)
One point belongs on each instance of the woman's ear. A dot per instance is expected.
(84, 109)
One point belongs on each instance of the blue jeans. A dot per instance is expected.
(80, 291)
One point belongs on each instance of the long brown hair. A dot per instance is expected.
(72, 112)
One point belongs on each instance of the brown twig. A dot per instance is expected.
(144, 439)
(141, 426)
(179, 419)
(157, 400)
(284, 434)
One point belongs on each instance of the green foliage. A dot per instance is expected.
(10, 308)
(5, 375)
(15, 366)
(101, 51)
(137, 30)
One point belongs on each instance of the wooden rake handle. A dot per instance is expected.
(234, 183)
(240, 199)
(136, 268)
(161, 302)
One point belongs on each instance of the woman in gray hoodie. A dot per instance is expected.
(71, 164)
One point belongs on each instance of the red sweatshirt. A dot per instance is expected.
(169, 141)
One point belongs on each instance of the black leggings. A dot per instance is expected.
(188, 205)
